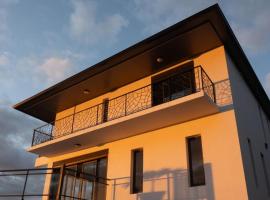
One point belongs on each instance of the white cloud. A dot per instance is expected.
(23, 77)
(4, 60)
(55, 69)
(158, 14)
(86, 26)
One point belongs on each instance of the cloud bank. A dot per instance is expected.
(54, 69)
(86, 26)
(15, 134)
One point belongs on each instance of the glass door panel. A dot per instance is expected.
(88, 179)
(69, 183)
(100, 189)
(84, 181)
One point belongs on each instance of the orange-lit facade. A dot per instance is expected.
(173, 117)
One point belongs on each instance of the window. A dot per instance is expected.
(195, 161)
(137, 171)
(173, 84)
(252, 161)
(265, 174)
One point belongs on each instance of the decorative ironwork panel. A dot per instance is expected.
(223, 93)
(207, 85)
(117, 108)
(46, 129)
(40, 137)
(85, 118)
(63, 126)
(139, 100)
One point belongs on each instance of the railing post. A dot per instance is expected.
(214, 92)
(105, 110)
(60, 183)
(125, 104)
(202, 86)
(25, 182)
(72, 125)
(97, 114)
(199, 79)
(51, 133)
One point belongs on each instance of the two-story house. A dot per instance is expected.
(179, 115)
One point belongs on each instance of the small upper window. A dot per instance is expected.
(137, 171)
(195, 159)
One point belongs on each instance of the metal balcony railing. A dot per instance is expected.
(176, 86)
(22, 184)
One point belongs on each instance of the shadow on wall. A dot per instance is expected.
(165, 184)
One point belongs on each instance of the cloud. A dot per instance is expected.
(22, 77)
(251, 24)
(4, 13)
(54, 69)
(86, 26)
(16, 133)
(4, 59)
(159, 14)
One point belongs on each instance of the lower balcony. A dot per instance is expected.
(184, 96)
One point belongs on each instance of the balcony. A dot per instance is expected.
(189, 94)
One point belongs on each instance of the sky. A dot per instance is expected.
(44, 42)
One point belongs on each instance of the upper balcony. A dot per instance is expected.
(187, 94)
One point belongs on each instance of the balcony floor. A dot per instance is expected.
(174, 112)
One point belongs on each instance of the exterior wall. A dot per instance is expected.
(252, 123)
(165, 162)
(165, 155)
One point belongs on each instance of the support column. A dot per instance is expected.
(47, 181)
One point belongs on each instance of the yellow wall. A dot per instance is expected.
(165, 161)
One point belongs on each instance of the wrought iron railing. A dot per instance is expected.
(25, 184)
(18, 184)
(178, 85)
(223, 93)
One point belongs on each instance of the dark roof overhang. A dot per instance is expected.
(193, 36)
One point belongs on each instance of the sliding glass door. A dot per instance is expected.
(173, 84)
(84, 181)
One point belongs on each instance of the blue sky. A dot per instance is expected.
(44, 42)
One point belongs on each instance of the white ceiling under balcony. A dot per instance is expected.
(186, 108)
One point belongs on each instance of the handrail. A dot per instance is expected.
(22, 186)
(54, 129)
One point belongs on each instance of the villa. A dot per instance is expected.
(180, 115)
